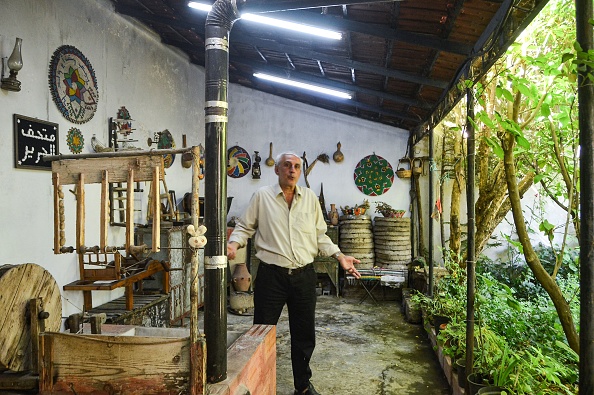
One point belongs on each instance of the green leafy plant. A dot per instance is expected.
(387, 211)
(453, 338)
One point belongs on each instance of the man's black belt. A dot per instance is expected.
(286, 270)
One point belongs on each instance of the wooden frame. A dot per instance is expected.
(104, 171)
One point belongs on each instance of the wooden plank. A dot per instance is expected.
(80, 285)
(37, 327)
(17, 382)
(106, 274)
(68, 169)
(104, 216)
(132, 365)
(46, 376)
(56, 183)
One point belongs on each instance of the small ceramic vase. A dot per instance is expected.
(333, 214)
(242, 278)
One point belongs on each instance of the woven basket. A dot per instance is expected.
(417, 166)
(404, 168)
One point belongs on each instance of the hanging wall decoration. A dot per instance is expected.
(166, 142)
(373, 175)
(75, 140)
(73, 84)
(238, 162)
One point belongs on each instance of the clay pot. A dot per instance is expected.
(461, 369)
(242, 278)
(475, 383)
(333, 214)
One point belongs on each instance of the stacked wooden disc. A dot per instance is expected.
(391, 238)
(356, 239)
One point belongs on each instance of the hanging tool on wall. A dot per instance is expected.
(307, 168)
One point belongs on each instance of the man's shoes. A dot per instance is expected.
(309, 391)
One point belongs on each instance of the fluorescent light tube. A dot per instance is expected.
(303, 85)
(199, 6)
(298, 27)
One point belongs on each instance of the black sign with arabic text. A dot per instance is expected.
(34, 138)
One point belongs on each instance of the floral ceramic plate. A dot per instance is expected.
(75, 140)
(73, 84)
(373, 175)
(239, 162)
(166, 142)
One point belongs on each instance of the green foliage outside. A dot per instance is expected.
(526, 124)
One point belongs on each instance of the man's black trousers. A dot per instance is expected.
(274, 287)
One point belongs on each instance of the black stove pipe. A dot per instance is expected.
(218, 27)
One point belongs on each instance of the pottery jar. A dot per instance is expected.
(242, 278)
(333, 215)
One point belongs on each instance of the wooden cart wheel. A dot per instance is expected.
(18, 285)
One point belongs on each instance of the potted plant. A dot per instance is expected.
(453, 337)
(492, 390)
(359, 209)
(387, 211)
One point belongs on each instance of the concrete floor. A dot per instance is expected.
(362, 349)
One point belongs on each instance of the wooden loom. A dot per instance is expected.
(123, 271)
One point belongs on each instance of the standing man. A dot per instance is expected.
(290, 230)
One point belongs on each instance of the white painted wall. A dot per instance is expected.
(162, 91)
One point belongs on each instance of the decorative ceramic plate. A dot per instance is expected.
(239, 162)
(75, 140)
(73, 84)
(373, 175)
(166, 142)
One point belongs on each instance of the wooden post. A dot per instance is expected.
(37, 327)
(130, 210)
(166, 281)
(80, 232)
(129, 297)
(46, 376)
(80, 214)
(117, 259)
(56, 182)
(104, 217)
(96, 324)
(87, 298)
(197, 348)
(421, 251)
(156, 200)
